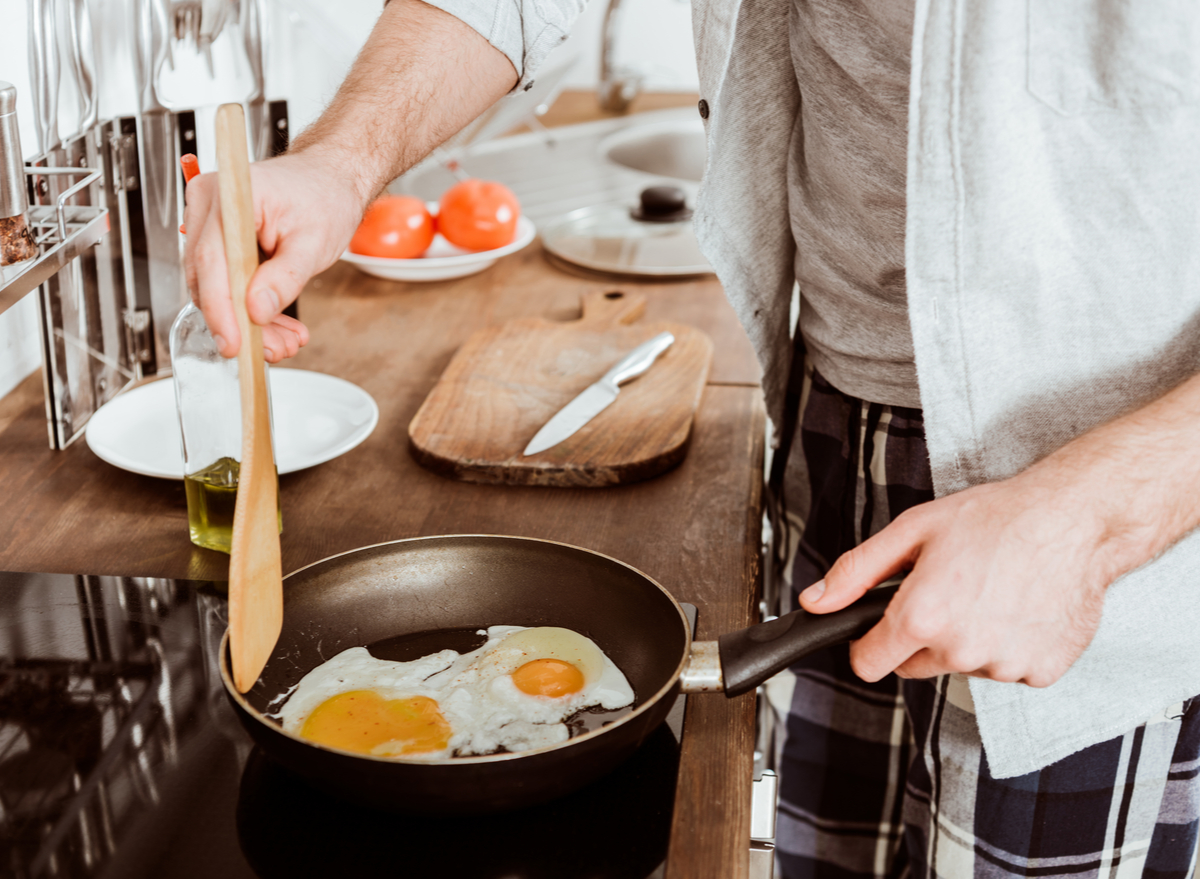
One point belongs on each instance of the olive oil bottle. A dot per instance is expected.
(211, 496)
(208, 398)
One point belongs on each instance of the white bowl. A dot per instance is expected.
(442, 260)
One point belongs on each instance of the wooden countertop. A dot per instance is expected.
(695, 529)
(572, 106)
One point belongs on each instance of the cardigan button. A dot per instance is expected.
(703, 106)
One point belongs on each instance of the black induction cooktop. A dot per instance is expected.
(120, 757)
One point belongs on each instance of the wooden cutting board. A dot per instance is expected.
(506, 381)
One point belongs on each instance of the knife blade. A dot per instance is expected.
(598, 396)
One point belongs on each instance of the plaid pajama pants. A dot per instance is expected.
(890, 779)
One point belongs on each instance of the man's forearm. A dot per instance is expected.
(1007, 579)
(1139, 475)
(422, 75)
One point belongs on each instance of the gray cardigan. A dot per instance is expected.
(1053, 217)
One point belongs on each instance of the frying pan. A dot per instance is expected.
(372, 595)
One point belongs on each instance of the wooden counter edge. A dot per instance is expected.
(722, 761)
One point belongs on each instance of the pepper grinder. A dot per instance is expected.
(16, 242)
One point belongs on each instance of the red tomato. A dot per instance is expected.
(396, 226)
(479, 215)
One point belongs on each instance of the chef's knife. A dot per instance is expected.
(599, 396)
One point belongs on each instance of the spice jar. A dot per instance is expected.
(208, 398)
(16, 242)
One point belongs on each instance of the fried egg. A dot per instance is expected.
(513, 693)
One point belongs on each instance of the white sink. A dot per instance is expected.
(673, 149)
(578, 166)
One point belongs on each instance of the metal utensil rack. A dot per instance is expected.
(62, 232)
(109, 276)
(80, 371)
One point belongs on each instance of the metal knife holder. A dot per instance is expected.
(107, 301)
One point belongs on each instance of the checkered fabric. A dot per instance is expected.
(890, 779)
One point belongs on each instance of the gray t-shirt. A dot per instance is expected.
(846, 182)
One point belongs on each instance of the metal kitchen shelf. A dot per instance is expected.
(62, 232)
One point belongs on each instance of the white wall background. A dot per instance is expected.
(311, 45)
(654, 39)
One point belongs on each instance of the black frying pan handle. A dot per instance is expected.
(750, 656)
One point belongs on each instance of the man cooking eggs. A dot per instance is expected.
(990, 211)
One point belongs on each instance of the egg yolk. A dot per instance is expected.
(548, 677)
(366, 723)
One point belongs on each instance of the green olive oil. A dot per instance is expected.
(211, 495)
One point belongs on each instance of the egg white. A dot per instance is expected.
(475, 691)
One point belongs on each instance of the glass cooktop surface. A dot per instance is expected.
(121, 757)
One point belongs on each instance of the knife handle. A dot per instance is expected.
(83, 63)
(44, 72)
(638, 360)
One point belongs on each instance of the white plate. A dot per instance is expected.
(316, 417)
(442, 260)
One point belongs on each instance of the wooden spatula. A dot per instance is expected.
(255, 572)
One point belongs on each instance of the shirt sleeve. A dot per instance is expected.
(524, 30)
